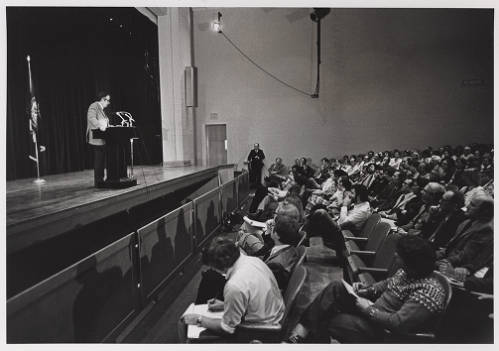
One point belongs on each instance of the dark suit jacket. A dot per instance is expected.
(378, 185)
(282, 263)
(412, 209)
(472, 246)
(485, 284)
(255, 158)
(439, 230)
(388, 196)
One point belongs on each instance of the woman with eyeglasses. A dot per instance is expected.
(97, 119)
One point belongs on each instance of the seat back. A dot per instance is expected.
(447, 286)
(294, 285)
(377, 236)
(302, 239)
(371, 222)
(385, 254)
(302, 253)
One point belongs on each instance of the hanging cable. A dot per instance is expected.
(263, 69)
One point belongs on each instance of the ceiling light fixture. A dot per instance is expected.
(216, 25)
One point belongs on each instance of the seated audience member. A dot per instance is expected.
(467, 153)
(322, 196)
(396, 160)
(487, 167)
(267, 200)
(369, 176)
(345, 164)
(260, 193)
(473, 187)
(381, 180)
(409, 191)
(323, 172)
(385, 198)
(459, 177)
(413, 206)
(354, 168)
(408, 301)
(320, 223)
(472, 245)
(250, 295)
(430, 196)
(441, 225)
(278, 173)
(298, 175)
(447, 170)
(343, 188)
(355, 217)
(328, 186)
(293, 198)
(284, 254)
(307, 170)
(253, 240)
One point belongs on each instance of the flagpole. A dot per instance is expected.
(35, 159)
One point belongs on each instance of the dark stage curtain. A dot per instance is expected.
(76, 52)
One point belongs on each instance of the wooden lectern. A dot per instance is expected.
(117, 140)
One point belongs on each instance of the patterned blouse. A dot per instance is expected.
(405, 304)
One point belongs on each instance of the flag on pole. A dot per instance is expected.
(34, 116)
(34, 108)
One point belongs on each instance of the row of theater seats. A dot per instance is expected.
(370, 257)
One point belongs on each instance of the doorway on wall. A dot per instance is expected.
(216, 144)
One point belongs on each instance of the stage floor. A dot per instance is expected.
(34, 210)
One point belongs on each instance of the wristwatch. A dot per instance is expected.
(371, 311)
(199, 321)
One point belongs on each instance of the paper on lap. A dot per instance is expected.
(278, 192)
(349, 288)
(391, 222)
(254, 223)
(193, 331)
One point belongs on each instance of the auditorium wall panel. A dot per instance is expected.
(390, 78)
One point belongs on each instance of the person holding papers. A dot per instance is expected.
(405, 302)
(251, 293)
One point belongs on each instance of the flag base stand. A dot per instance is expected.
(39, 181)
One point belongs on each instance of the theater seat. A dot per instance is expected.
(367, 229)
(376, 263)
(302, 238)
(368, 278)
(302, 252)
(373, 242)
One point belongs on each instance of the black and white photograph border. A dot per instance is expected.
(139, 135)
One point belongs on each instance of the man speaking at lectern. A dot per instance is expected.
(97, 119)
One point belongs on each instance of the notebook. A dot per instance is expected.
(193, 331)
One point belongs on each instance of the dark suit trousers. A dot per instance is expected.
(99, 163)
(333, 314)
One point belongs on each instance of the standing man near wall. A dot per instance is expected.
(255, 163)
(97, 119)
